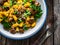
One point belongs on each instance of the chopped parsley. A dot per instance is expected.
(25, 27)
(27, 13)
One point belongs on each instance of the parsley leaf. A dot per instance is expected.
(19, 21)
(5, 7)
(11, 3)
(25, 27)
(38, 9)
(4, 18)
(15, 13)
(31, 0)
(6, 25)
(34, 7)
(27, 13)
(38, 15)
(25, 1)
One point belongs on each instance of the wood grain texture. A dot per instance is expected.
(49, 41)
(3, 41)
(0, 40)
(57, 32)
(59, 1)
(50, 5)
(11, 42)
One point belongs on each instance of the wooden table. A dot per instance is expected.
(54, 39)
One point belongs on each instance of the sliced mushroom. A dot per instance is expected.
(32, 11)
(18, 14)
(23, 18)
(23, 8)
(21, 31)
(10, 19)
(12, 31)
(37, 3)
(0, 9)
(31, 21)
(2, 1)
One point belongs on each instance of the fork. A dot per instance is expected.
(49, 32)
(50, 29)
(44, 35)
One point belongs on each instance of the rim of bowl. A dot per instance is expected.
(33, 33)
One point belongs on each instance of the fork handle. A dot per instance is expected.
(45, 38)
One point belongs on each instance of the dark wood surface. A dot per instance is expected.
(57, 13)
(54, 39)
